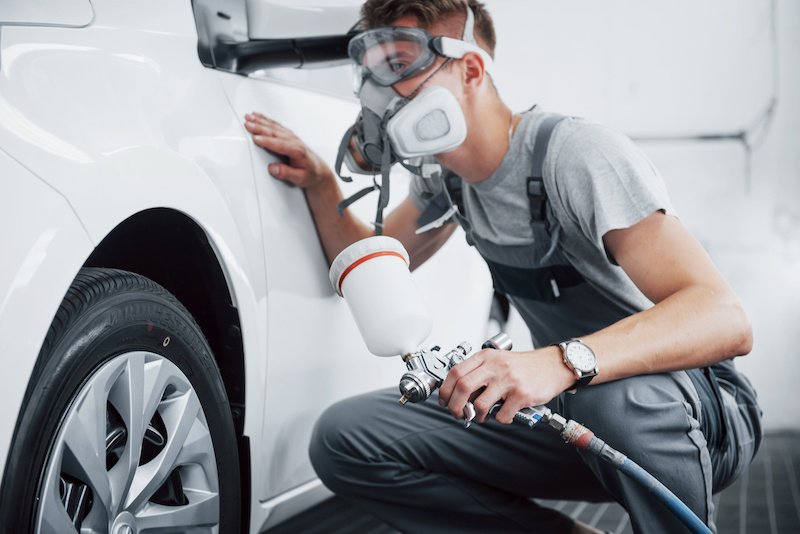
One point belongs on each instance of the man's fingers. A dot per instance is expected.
(268, 130)
(484, 401)
(453, 376)
(287, 147)
(255, 115)
(288, 173)
(466, 389)
(510, 407)
(261, 119)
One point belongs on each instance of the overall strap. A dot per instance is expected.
(554, 272)
(537, 195)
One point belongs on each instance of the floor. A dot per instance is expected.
(765, 500)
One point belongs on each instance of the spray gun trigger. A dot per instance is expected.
(469, 414)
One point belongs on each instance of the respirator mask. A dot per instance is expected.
(390, 128)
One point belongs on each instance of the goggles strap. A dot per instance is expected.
(469, 25)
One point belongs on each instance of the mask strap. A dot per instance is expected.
(344, 204)
(426, 170)
(383, 188)
(383, 196)
(340, 155)
(469, 25)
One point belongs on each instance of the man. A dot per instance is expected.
(590, 250)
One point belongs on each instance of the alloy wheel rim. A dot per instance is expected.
(133, 453)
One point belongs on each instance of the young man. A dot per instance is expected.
(586, 245)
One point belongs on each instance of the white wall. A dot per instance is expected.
(666, 73)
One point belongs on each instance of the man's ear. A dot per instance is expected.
(474, 69)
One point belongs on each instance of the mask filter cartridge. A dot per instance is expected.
(373, 277)
(431, 123)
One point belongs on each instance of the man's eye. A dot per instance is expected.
(397, 66)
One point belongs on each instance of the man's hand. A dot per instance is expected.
(519, 379)
(305, 169)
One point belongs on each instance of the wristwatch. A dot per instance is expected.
(580, 359)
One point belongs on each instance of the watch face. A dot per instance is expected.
(581, 357)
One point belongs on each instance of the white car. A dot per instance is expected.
(168, 333)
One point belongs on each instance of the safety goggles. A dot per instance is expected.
(392, 54)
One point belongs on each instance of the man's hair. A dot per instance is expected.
(377, 13)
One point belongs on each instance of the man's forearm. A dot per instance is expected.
(335, 232)
(695, 327)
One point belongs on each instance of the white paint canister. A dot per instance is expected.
(373, 277)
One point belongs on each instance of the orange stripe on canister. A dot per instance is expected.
(365, 258)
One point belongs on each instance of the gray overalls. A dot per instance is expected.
(420, 471)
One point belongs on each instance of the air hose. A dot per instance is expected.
(585, 440)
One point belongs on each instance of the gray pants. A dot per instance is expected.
(419, 470)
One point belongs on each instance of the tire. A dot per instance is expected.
(126, 426)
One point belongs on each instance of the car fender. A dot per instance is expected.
(44, 245)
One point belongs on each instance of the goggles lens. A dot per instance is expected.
(392, 54)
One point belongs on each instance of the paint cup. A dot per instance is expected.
(373, 277)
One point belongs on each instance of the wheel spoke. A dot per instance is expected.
(127, 396)
(84, 454)
(179, 413)
(53, 518)
(199, 450)
(202, 510)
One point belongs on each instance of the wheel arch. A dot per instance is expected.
(172, 249)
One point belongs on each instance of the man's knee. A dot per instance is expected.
(629, 414)
(331, 449)
(349, 443)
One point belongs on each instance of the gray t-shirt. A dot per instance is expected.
(596, 179)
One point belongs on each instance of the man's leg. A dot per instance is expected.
(419, 470)
(650, 419)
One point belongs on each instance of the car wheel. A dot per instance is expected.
(126, 426)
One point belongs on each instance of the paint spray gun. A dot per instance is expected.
(427, 370)
(373, 277)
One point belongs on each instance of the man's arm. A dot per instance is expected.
(697, 320)
(306, 169)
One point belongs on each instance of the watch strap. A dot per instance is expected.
(585, 379)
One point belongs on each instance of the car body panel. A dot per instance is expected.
(289, 19)
(306, 316)
(72, 13)
(44, 246)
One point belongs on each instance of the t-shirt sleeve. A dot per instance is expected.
(605, 182)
